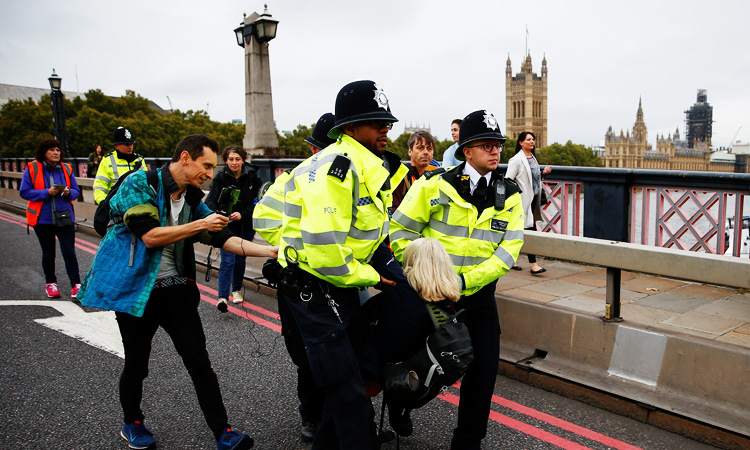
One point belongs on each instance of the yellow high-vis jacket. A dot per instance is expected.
(269, 211)
(336, 211)
(482, 247)
(110, 170)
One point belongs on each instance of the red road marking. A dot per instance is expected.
(523, 427)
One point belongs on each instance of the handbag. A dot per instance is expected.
(544, 199)
(63, 218)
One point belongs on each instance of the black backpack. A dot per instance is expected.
(443, 361)
(102, 220)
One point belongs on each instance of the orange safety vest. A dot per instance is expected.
(33, 208)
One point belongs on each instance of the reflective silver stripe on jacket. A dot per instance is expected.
(273, 203)
(265, 224)
(324, 238)
(338, 271)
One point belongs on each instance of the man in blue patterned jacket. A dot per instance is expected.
(144, 270)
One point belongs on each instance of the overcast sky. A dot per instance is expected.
(435, 59)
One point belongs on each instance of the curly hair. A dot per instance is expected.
(429, 271)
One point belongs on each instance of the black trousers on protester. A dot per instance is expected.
(66, 235)
(478, 384)
(175, 309)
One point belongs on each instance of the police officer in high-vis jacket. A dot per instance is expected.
(267, 217)
(116, 163)
(336, 211)
(476, 213)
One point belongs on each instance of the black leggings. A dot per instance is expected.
(532, 258)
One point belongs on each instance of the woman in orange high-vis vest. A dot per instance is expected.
(50, 187)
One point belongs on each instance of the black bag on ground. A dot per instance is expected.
(102, 219)
(443, 361)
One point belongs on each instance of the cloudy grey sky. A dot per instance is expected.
(435, 59)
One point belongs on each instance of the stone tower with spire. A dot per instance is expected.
(526, 101)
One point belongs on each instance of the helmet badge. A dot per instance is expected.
(490, 121)
(127, 134)
(380, 98)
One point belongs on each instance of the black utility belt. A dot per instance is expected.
(173, 281)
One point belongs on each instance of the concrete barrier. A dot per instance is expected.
(685, 375)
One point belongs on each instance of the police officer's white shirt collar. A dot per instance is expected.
(474, 176)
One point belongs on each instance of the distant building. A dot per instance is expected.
(632, 150)
(698, 122)
(526, 101)
(10, 92)
(411, 128)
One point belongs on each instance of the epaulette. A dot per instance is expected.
(431, 173)
(339, 167)
(107, 155)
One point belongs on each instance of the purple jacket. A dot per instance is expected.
(28, 192)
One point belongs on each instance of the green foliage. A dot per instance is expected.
(92, 122)
(441, 147)
(295, 144)
(399, 146)
(569, 154)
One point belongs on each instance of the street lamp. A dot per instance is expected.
(58, 112)
(253, 35)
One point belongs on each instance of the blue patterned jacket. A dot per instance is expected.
(124, 269)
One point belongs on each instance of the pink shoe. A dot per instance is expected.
(74, 292)
(52, 291)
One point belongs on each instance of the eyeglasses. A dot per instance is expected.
(487, 147)
(379, 124)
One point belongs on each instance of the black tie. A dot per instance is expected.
(480, 192)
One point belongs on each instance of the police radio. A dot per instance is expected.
(227, 199)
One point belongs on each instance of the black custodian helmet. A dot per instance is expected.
(477, 125)
(361, 101)
(122, 136)
(319, 136)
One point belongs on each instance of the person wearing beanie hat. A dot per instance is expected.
(335, 216)
(117, 163)
(483, 235)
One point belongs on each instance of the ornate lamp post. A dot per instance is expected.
(58, 112)
(253, 35)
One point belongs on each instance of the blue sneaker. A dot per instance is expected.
(138, 436)
(232, 440)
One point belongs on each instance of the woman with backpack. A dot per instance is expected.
(50, 187)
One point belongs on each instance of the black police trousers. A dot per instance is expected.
(348, 416)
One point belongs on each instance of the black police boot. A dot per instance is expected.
(307, 430)
(401, 421)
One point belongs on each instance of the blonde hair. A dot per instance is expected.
(429, 270)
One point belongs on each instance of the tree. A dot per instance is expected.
(295, 144)
(92, 121)
(569, 154)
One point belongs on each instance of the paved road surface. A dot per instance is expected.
(60, 392)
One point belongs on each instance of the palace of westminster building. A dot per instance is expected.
(526, 110)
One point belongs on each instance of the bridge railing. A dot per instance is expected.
(671, 209)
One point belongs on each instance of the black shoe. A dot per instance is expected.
(514, 267)
(307, 430)
(401, 422)
(386, 436)
(537, 272)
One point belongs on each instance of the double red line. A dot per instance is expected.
(209, 295)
